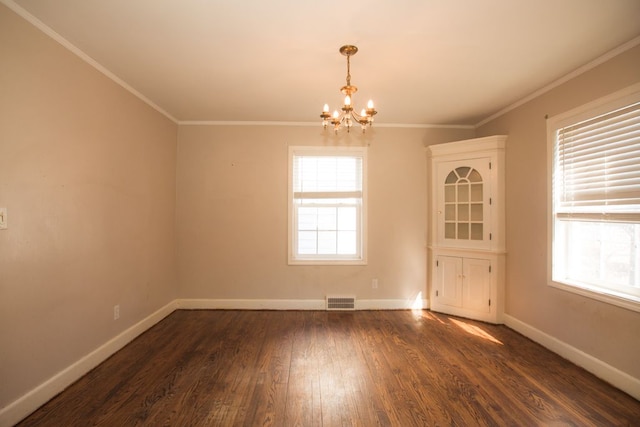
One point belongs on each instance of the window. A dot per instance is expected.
(327, 205)
(596, 199)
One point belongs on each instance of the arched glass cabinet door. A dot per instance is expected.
(464, 205)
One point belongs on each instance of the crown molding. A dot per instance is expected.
(86, 58)
(312, 124)
(575, 73)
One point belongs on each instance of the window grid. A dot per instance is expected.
(327, 205)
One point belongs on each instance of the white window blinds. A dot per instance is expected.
(598, 167)
(321, 177)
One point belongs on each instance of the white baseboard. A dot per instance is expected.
(251, 304)
(392, 304)
(32, 400)
(608, 373)
(295, 304)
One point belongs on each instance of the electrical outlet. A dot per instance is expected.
(3, 218)
(374, 284)
(116, 312)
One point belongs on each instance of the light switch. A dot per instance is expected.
(3, 218)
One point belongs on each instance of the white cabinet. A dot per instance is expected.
(467, 242)
(462, 286)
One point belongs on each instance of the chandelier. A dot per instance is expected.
(348, 115)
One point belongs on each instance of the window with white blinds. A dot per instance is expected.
(327, 205)
(598, 167)
(596, 199)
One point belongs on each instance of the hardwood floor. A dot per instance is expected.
(306, 368)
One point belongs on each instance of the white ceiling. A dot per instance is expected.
(421, 61)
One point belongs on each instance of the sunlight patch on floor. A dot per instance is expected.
(475, 330)
(431, 316)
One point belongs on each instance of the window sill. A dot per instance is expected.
(628, 302)
(326, 262)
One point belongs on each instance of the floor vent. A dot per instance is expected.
(341, 303)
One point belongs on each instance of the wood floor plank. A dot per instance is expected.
(317, 368)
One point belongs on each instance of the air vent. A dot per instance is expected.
(341, 303)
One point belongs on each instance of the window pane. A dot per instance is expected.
(327, 218)
(347, 243)
(327, 241)
(307, 242)
(347, 218)
(307, 218)
(602, 254)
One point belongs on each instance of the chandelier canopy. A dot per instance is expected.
(348, 115)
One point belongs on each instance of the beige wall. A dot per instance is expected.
(87, 173)
(607, 332)
(232, 214)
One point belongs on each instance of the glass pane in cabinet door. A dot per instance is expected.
(463, 171)
(463, 193)
(450, 230)
(449, 193)
(476, 232)
(452, 178)
(449, 212)
(475, 176)
(463, 231)
(463, 212)
(476, 212)
(476, 192)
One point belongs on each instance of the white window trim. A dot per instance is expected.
(326, 151)
(600, 106)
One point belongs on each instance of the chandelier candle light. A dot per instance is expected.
(348, 114)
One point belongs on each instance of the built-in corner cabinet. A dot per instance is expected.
(467, 227)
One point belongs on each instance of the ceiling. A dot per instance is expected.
(429, 62)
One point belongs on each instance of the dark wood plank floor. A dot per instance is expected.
(365, 368)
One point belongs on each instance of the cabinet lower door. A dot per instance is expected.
(448, 282)
(476, 291)
(462, 287)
